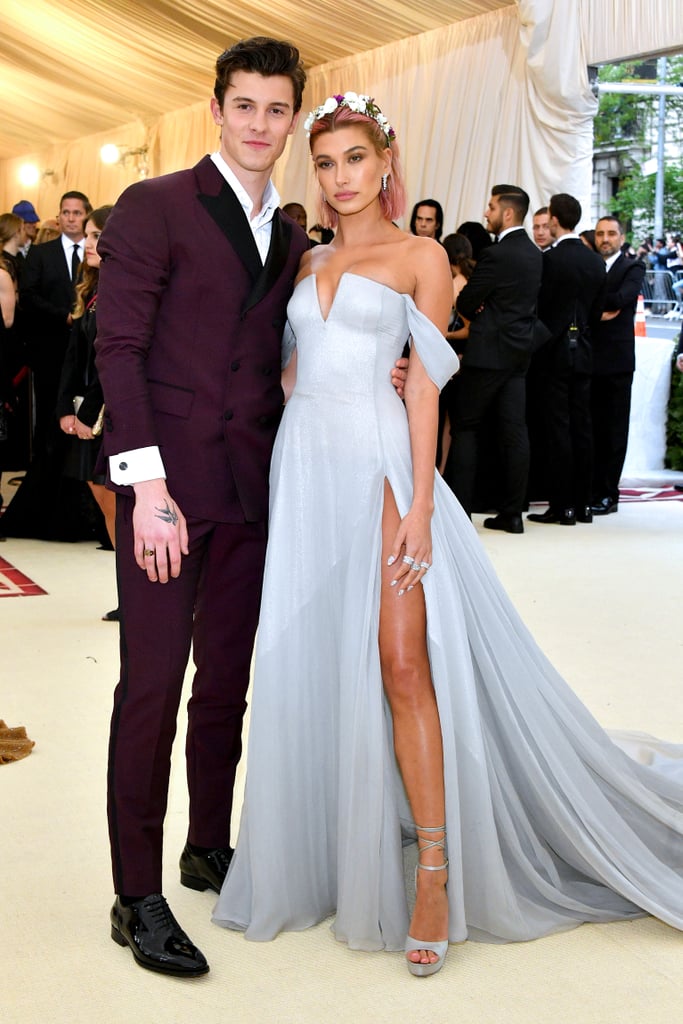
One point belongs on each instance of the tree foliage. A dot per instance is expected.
(631, 120)
(635, 200)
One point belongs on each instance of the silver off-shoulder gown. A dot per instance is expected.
(549, 822)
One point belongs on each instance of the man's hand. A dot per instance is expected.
(160, 531)
(399, 375)
(610, 315)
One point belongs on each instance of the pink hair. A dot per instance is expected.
(392, 200)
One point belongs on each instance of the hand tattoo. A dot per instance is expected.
(167, 514)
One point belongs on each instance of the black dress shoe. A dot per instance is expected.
(564, 516)
(509, 524)
(584, 514)
(604, 507)
(205, 870)
(155, 937)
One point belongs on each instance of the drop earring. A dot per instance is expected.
(385, 178)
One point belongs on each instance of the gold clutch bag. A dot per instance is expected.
(98, 424)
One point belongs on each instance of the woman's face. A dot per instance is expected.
(92, 233)
(349, 168)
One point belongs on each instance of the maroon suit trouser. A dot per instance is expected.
(212, 607)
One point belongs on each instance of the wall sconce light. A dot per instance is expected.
(113, 154)
(29, 174)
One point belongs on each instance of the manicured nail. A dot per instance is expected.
(390, 560)
(393, 583)
(401, 592)
(411, 587)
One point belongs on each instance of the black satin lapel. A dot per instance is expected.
(225, 209)
(275, 261)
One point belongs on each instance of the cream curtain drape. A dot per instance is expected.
(502, 96)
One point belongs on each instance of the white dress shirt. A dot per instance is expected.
(68, 247)
(140, 464)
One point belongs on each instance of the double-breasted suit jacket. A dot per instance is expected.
(189, 338)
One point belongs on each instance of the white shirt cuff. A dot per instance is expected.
(136, 465)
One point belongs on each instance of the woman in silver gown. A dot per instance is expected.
(397, 693)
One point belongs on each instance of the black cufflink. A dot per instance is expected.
(123, 465)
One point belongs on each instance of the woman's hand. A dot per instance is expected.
(68, 424)
(83, 431)
(412, 549)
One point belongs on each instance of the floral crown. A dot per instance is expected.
(359, 104)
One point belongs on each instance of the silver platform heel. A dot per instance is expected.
(440, 948)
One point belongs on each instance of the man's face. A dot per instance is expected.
(256, 119)
(608, 238)
(298, 214)
(493, 215)
(71, 219)
(425, 222)
(30, 230)
(543, 236)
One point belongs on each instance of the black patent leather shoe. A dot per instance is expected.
(563, 516)
(604, 507)
(509, 524)
(584, 514)
(156, 939)
(205, 870)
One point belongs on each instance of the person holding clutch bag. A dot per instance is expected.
(80, 403)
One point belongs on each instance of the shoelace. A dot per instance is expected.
(160, 912)
(223, 859)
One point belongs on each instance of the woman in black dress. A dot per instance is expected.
(80, 400)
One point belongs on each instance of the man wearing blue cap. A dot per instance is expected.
(27, 212)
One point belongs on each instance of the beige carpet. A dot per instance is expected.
(604, 601)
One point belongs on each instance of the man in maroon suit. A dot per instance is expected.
(197, 270)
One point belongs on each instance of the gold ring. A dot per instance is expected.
(148, 552)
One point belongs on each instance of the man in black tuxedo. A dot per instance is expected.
(500, 301)
(614, 362)
(570, 304)
(47, 296)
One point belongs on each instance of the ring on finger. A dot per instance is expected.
(425, 565)
(148, 552)
(408, 560)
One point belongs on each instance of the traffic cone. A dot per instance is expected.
(639, 327)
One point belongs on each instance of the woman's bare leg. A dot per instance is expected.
(107, 502)
(417, 731)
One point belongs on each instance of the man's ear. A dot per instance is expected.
(216, 111)
(295, 121)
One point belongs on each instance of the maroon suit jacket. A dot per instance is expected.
(189, 328)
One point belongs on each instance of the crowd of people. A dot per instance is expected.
(396, 693)
(49, 387)
(540, 408)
